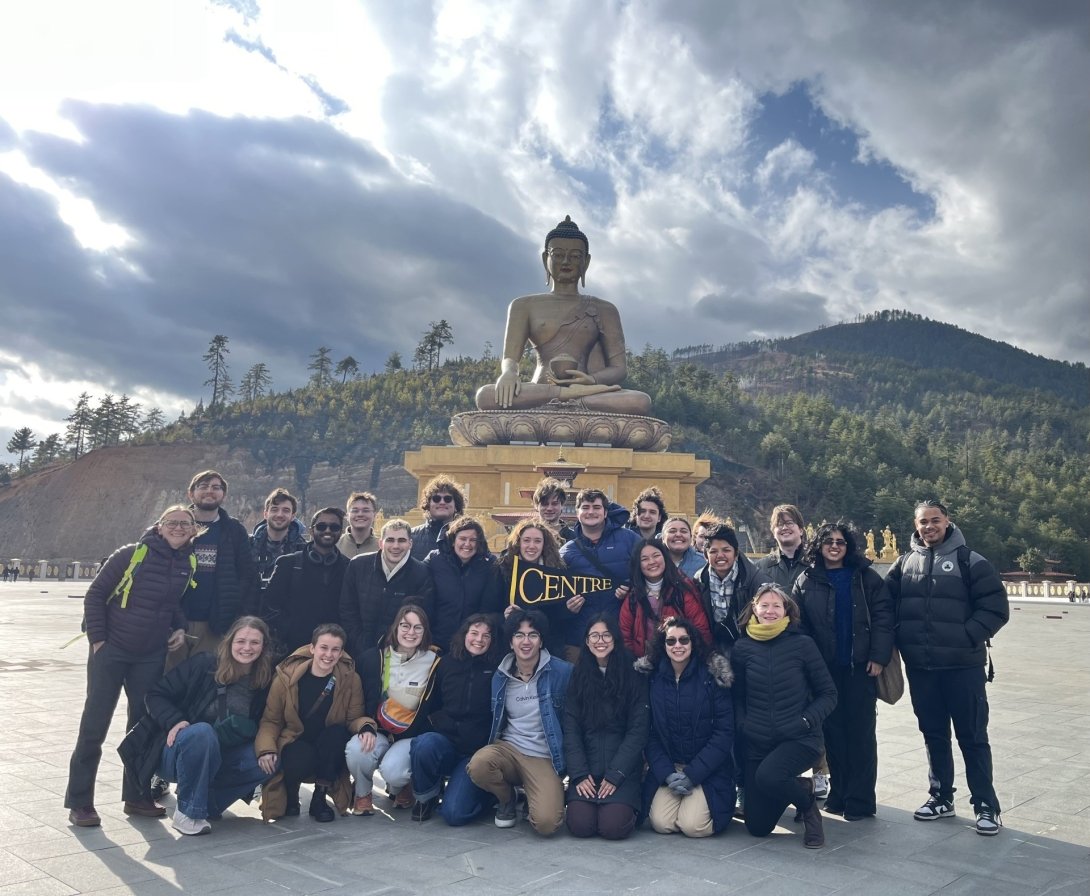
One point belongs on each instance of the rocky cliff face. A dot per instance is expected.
(86, 509)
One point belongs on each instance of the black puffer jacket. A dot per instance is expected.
(461, 706)
(153, 609)
(872, 614)
(941, 624)
(461, 589)
(781, 685)
(303, 593)
(780, 569)
(427, 537)
(369, 602)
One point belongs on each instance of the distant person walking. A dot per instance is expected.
(133, 616)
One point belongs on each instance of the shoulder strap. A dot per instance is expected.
(964, 556)
(327, 691)
(221, 701)
(594, 561)
(123, 587)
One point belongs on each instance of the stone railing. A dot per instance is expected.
(55, 570)
(1048, 590)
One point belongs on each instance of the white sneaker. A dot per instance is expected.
(191, 827)
(821, 786)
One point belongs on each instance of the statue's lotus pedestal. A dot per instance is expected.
(560, 424)
(493, 476)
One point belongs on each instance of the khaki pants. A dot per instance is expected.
(688, 815)
(499, 766)
(199, 638)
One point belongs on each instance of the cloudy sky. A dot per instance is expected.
(293, 175)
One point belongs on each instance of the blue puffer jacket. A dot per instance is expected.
(613, 552)
(941, 624)
(461, 589)
(692, 725)
(552, 686)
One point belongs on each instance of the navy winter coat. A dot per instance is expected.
(461, 589)
(692, 725)
(611, 555)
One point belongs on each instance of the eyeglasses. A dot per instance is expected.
(409, 627)
(177, 525)
(442, 499)
(604, 637)
(835, 543)
(526, 636)
(327, 527)
(684, 641)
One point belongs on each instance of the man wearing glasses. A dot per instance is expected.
(441, 502)
(526, 742)
(377, 585)
(226, 581)
(305, 588)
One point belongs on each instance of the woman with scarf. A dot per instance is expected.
(784, 694)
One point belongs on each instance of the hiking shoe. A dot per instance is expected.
(821, 786)
(364, 805)
(507, 814)
(191, 827)
(160, 787)
(988, 821)
(143, 808)
(934, 808)
(84, 817)
(404, 798)
(422, 810)
(319, 808)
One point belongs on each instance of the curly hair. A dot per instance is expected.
(653, 496)
(443, 483)
(852, 555)
(458, 643)
(658, 646)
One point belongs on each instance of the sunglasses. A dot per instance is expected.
(835, 543)
(442, 499)
(684, 640)
(327, 527)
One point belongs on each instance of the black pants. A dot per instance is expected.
(321, 759)
(940, 697)
(851, 743)
(773, 782)
(108, 671)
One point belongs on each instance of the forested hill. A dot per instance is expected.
(909, 412)
(926, 345)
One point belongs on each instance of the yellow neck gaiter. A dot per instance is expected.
(766, 631)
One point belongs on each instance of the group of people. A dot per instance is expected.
(11, 574)
(692, 687)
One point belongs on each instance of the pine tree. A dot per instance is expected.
(220, 381)
(255, 383)
(322, 365)
(347, 367)
(79, 423)
(21, 442)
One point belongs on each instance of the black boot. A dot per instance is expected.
(293, 799)
(319, 808)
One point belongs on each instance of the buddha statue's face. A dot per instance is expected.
(565, 260)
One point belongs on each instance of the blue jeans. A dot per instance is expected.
(210, 778)
(433, 758)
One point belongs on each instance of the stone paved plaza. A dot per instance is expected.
(1040, 734)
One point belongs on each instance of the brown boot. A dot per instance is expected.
(405, 798)
(813, 835)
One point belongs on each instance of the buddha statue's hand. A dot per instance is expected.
(571, 393)
(507, 387)
(572, 378)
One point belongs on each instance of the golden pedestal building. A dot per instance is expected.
(493, 476)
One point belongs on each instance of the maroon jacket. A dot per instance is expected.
(155, 598)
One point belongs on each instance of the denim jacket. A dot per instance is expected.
(552, 686)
